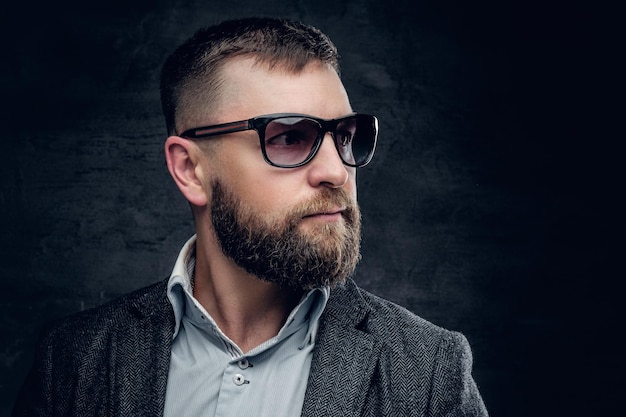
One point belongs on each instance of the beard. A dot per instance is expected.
(277, 251)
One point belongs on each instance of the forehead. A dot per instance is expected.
(251, 89)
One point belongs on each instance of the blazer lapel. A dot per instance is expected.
(344, 357)
(141, 357)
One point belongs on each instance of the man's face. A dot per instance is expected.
(296, 227)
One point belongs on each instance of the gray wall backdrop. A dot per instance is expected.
(485, 209)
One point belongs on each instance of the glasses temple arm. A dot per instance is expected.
(215, 130)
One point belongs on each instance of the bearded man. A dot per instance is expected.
(260, 316)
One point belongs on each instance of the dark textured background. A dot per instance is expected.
(487, 208)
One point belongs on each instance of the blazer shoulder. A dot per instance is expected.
(395, 326)
(115, 314)
(84, 359)
(443, 356)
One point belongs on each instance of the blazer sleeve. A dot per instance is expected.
(454, 392)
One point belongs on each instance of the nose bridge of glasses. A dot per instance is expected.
(325, 133)
(328, 127)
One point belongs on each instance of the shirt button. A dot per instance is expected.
(243, 363)
(239, 379)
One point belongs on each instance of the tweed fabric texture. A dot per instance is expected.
(372, 358)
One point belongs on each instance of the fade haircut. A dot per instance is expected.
(191, 79)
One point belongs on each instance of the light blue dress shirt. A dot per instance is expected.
(209, 375)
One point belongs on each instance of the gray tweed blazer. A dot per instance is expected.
(372, 358)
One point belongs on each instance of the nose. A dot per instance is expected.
(326, 169)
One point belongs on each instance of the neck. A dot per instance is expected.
(249, 311)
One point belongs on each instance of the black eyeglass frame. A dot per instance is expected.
(260, 123)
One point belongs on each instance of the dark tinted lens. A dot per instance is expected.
(345, 133)
(356, 139)
(290, 140)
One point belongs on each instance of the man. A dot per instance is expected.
(259, 316)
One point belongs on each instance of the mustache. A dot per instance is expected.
(325, 201)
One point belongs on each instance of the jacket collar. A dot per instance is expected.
(347, 305)
(344, 357)
(142, 357)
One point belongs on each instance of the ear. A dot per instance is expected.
(183, 162)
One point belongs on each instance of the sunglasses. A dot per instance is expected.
(291, 140)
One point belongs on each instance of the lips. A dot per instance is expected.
(326, 212)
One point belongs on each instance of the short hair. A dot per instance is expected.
(191, 77)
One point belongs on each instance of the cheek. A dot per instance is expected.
(261, 192)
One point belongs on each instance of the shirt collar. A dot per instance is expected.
(180, 292)
(181, 279)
